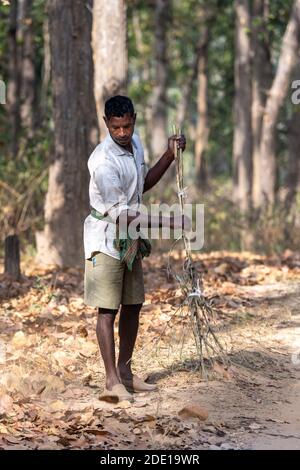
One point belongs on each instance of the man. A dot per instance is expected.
(113, 271)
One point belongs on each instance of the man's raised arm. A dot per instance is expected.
(158, 170)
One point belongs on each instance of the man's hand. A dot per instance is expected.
(173, 141)
(157, 171)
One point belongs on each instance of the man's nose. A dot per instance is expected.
(122, 132)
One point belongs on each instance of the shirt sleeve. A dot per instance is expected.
(144, 166)
(111, 192)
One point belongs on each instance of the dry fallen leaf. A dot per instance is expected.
(124, 404)
(221, 371)
(222, 269)
(193, 411)
(6, 404)
(57, 405)
(20, 340)
(3, 429)
(82, 331)
(63, 359)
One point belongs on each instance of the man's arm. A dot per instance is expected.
(154, 221)
(158, 170)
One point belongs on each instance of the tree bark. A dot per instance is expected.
(159, 96)
(145, 75)
(12, 256)
(262, 80)
(242, 142)
(287, 61)
(202, 129)
(187, 88)
(293, 173)
(293, 176)
(27, 71)
(46, 74)
(109, 42)
(13, 88)
(76, 133)
(189, 81)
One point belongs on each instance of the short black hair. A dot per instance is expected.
(118, 106)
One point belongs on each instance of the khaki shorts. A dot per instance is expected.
(109, 283)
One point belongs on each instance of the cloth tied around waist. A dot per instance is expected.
(128, 247)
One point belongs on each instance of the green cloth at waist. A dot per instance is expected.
(128, 248)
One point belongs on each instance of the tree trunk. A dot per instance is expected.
(27, 71)
(293, 174)
(109, 44)
(145, 75)
(187, 88)
(262, 80)
(189, 80)
(287, 61)
(12, 256)
(76, 133)
(46, 74)
(13, 88)
(242, 142)
(159, 96)
(202, 129)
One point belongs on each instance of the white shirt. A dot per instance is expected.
(116, 184)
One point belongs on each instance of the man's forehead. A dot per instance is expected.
(122, 120)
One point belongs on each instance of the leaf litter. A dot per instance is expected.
(51, 375)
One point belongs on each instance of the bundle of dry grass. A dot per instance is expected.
(201, 314)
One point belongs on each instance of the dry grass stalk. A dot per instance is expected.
(200, 312)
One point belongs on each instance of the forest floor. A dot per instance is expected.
(52, 376)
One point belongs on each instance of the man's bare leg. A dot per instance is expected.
(105, 336)
(128, 328)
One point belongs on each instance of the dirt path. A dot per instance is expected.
(283, 432)
(258, 407)
(51, 377)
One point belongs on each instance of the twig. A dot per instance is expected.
(200, 312)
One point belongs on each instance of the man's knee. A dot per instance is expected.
(107, 311)
(133, 308)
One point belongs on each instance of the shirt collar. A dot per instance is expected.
(117, 149)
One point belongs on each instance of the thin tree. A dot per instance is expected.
(13, 87)
(293, 170)
(27, 68)
(202, 128)
(159, 96)
(109, 44)
(75, 126)
(276, 96)
(261, 82)
(242, 142)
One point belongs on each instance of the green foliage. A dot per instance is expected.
(184, 29)
(23, 178)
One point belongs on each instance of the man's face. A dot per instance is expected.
(121, 128)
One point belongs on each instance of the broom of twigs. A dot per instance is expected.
(200, 311)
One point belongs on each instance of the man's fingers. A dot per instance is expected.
(181, 142)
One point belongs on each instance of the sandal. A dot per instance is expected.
(136, 384)
(116, 394)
